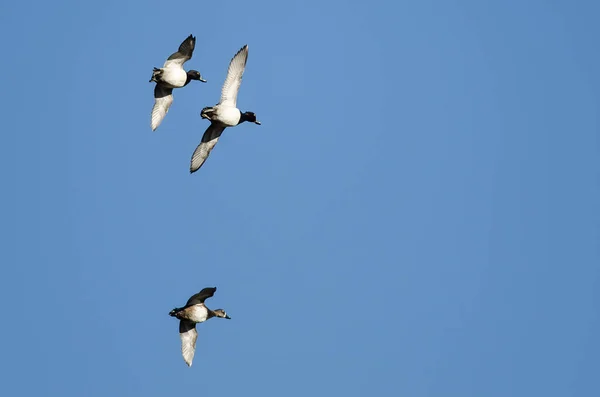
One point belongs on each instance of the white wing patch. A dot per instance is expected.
(188, 334)
(209, 140)
(233, 80)
(176, 63)
(163, 98)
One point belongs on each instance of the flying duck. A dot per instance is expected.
(225, 113)
(172, 75)
(194, 312)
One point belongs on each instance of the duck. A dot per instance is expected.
(192, 313)
(172, 75)
(225, 113)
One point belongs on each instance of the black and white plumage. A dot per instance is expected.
(192, 313)
(172, 75)
(225, 113)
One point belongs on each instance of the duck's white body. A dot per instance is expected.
(173, 76)
(228, 116)
(199, 314)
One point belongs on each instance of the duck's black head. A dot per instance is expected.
(249, 116)
(194, 75)
(221, 313)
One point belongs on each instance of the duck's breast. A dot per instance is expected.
(198, 313)
(174, 77)
(229, 116)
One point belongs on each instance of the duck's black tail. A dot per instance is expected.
(156, 73)
(173, 313)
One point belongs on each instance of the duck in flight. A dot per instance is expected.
(225, 113)
(192, 313)
(172, 75)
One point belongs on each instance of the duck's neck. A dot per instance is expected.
(188, 79)
(243, 117)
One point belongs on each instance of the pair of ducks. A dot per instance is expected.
(224, 114)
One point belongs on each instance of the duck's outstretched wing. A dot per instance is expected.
(201, 296)
(163, 98)
(184, 54)
(230, 89)
(209, 140)
(188, 334)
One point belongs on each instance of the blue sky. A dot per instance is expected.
(416, 216)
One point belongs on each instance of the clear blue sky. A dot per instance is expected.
(418, 214)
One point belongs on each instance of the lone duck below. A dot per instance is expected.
(192, 313)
